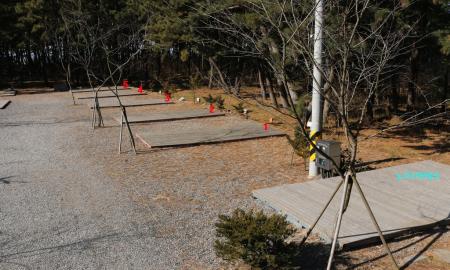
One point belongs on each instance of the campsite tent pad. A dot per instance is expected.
(84, 90)
(193, 135)
(170, 116)
(104, 94)
(113, 103)
(398, 205)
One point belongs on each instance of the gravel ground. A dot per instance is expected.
(69, 201)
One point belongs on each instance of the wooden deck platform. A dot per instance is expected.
(399, 206)
(104, 94)
(170, 116)
(190, 136)
(84, 90)
(113, 103)
(4, 103)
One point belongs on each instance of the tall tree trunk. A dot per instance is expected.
(211, 73)
(393, 97)
(445, 88)
(262, 86)
(327, 95)
(222, 79)
(43, 63)
(369, 113)
(282, 91)
(273, 97)
(293, 94)
(413, 72)
(237, 86)
(158, 66)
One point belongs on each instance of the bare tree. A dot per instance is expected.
(360, 45)
(96, 46)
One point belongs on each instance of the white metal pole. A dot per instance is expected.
(316, 122)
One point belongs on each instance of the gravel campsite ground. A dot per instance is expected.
(68, 200)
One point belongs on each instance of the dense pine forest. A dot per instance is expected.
(397, 52)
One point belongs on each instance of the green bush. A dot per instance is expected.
(220, 102)
(239, 108)
(155, 85)
(209, 99)
(195, 81)
(300, 144)
(255, 238)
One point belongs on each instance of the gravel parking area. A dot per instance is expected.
(69, 201)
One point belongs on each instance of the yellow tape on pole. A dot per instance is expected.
(312, 152)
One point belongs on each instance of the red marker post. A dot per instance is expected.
(168, 97)
(125, 84)
(266, 126)
(140, 90)
(211, 108)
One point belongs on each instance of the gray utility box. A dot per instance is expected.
(333, 150)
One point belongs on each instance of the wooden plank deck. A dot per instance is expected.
(4, 103)
(170, 116)
(399, 206)
(104, 94)
(192, 135)
(84, 90)
(113, 103)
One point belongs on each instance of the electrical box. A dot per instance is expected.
(333, 150)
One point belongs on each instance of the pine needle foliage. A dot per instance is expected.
(253, 237)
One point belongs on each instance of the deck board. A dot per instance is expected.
(84, 90)
(113, 103)
(397, 205)
(108, 95)
(4, 103)
(191, 135)
(170, 116)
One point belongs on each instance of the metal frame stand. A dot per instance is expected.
(121, 136)
(348, 181)
(95, 111)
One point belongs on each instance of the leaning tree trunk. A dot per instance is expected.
(262, 86)
(272, 96)
(219, 73)
(327, 96)
(281, 90)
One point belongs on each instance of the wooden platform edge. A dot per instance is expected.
(87, 90)
(143, 141)
(169, 119)
(5, 104)
(182, 145)
(133, 105)
(130, 95)
(371, 240)
(390, 236)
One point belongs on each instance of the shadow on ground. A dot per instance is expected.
(7, 180)
(312, 255)
(432, 235)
